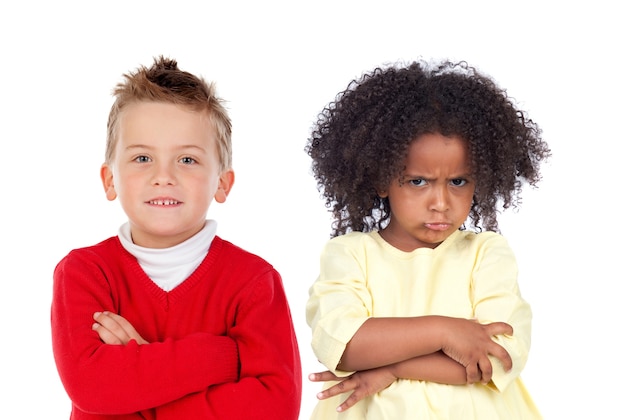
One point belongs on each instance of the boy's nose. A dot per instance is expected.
(163, 175)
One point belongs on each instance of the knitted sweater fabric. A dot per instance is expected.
(221, 344)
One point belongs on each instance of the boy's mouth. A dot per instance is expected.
(163, 202)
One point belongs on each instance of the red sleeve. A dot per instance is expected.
(111, 379)
(270, 385)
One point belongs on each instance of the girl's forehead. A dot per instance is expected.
(434, 152)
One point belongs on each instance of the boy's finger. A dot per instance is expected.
(110, 322)
(105, 335)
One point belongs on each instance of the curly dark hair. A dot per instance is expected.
(360, 140)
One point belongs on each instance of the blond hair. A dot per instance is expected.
(165, 82)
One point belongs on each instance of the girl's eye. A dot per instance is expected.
(419, 182)
(142, 159)
(459, 182)
(188, 160)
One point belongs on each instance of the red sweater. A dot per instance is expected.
(222, 343)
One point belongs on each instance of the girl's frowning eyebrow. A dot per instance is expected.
(464, 175)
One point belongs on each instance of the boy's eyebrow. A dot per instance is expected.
(182, 147)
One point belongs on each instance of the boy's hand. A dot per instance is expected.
(469, 343)
(114, 329)
(363, 384)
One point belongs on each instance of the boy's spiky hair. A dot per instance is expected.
(165, 82)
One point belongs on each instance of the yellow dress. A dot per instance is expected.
(469, 275)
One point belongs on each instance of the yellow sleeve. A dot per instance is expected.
(496, 297)
(339, 301)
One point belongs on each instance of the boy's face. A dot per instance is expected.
(434, 196)
(165, 171)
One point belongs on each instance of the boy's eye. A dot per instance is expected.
(142, 159)
(188, 160)
(459, 182)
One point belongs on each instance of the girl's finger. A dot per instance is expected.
(323, 377)
(344, 386)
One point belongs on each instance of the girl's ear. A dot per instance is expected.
(382, 193)
(227, 179)
(106, 175)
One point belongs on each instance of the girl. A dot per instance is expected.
(413, 315)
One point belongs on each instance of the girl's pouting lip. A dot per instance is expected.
(437, 226)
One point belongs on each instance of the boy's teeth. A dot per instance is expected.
(163, 202)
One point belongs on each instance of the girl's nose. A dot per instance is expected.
(439, 199)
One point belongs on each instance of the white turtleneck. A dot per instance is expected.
(169, 267)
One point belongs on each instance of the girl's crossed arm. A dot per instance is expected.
(435, 367)
(385, 341)
(381, 341)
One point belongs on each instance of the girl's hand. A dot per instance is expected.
(363, 384)
(114, 329)
(469, 343)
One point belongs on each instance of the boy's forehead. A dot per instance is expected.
(164, 114)
(150, 122)
(160, 109)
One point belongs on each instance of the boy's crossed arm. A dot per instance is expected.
(115, 329)
(263, 387)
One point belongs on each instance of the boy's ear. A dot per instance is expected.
(106, 175)
(227, 179)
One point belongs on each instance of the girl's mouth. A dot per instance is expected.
(438, 226)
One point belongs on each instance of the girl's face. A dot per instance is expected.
(166, 172)
(433, 197)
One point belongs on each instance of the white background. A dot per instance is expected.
(278, 64)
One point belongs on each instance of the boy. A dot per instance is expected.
(168, 320)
